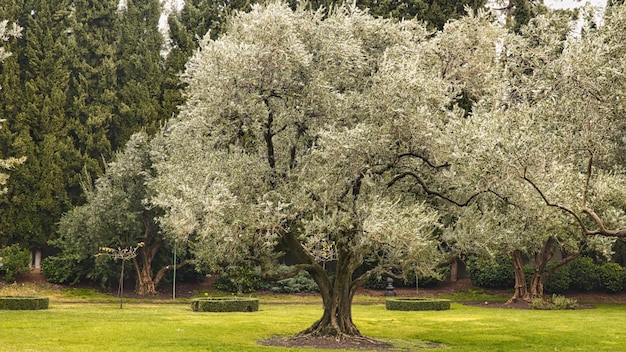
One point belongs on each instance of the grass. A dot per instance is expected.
(70, 325)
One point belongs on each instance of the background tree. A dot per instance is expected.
(84, 77)
(115, 216)
(36, 79)
(551, 142)
(315, 131)
(7, 31)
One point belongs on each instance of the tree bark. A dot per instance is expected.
(337, 295)
(541, 260)
(145, 283)
(337, 318)
(521, 288)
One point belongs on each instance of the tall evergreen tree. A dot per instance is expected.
(37, 82)
(140, 73)
(7, 31)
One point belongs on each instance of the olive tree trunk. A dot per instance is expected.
(521, 288)
(337, 294)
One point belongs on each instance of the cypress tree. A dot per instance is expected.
(140, 73)
(36, 80)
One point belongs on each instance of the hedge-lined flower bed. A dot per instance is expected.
(23, 302)
(413, 303)
(225, 304)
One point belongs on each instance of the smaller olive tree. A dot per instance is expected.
(116, 215)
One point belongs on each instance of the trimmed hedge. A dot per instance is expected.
(23, 302)
(412, 303)
(225, 304)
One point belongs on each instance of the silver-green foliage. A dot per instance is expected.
(296, 123)
(549, 142)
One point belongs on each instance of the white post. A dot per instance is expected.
(174, 280)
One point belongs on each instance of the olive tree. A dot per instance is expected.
(322, 136)
(116, 216)
(550, 143)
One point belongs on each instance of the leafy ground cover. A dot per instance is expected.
(73, 323)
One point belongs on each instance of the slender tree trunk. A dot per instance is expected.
(521, 288)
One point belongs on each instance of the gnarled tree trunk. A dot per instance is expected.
(521, 288)
(337, 295)
(337, 318)
(541, 260)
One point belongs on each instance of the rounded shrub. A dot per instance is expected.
(492, 273)
(560, 281)
(239, 279)
(584, 274)
(23, 302)
(13, 261)
(225, 304)
(612, 277)
(416, 303)
(303, 282)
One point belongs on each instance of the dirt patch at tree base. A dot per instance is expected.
(346, 343)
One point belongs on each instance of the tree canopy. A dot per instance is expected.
(323, 134)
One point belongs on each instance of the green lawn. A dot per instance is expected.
(87, 327)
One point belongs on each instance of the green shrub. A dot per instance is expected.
(406, 304)
(584, 274)
(491, 273)
(376, 283)
(557, 302)
(23, 302)
(302, 282)
(239, 279)
(380, 282)
(612, 277)
(225, 304)
(560, 281)
(62, 270)
(13, 261)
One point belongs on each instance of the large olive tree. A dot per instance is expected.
(323, 136)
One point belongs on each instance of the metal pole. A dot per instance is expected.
(174, 281)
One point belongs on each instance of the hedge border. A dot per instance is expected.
(416, 303)
(225, 304)
(23, 303)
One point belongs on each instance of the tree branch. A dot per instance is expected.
(601, 229)
(587, 178)
(435, 193)
(555, 205)
(425, 160)
(587, 232)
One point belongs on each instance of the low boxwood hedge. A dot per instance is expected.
(23, 302)
(416, 303)
(225, 304)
